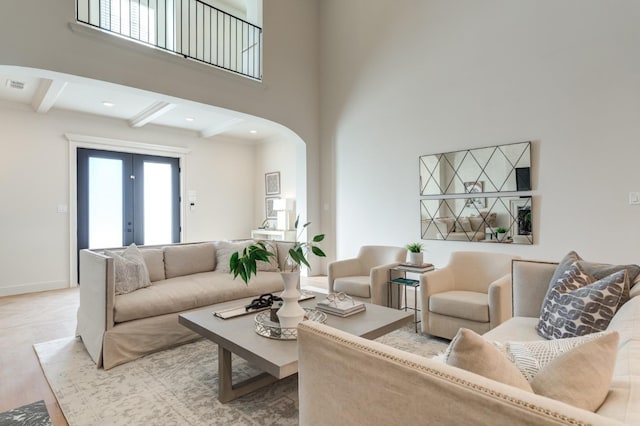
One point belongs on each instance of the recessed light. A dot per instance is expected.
(190, 119)
(253, 132)
(108, 104)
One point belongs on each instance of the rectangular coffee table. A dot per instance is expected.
(277, 358)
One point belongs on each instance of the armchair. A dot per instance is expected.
(365, 276)
(473, 291)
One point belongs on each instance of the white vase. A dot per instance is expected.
(502, 236)
(415, 258)
(291, 313)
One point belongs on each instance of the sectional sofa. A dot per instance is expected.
(348, 380)
(117, 328)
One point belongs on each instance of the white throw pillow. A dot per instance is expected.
(224, 250)
(130, 270)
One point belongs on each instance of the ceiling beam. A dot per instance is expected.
(154, 111)
(220, 127)
(47, 94)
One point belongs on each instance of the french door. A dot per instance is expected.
(127, 198)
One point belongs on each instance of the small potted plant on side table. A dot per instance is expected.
(414, 256)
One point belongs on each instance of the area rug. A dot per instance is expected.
(34, 414)
(177, 386)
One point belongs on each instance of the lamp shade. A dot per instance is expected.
(282, 204)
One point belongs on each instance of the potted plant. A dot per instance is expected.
(245, 265)
(501, 233)
(415, 254)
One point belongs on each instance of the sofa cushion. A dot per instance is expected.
(189, 292)
(358, 286)
(189, 259)
(272, 265)
(461, 304)
(627, 320)
(130, 270)
(581, 376)
(154, 258)
(577, 304)
(469, 351)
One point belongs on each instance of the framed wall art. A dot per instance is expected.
(272, 183)
(270, 213)
(475, 188)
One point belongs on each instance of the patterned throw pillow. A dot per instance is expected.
(130, 270)
(577, 304)
(597, 270)
(531, 357)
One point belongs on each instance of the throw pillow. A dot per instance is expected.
(597, 270)
(224, 250)
(272, 264)
(578, 304)
(464, 224)
(470, 351)
(580, 377)
(531, 357)
(130, 270)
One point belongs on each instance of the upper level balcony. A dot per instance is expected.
(191, 28)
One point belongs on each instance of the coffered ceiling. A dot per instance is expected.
(136, 107)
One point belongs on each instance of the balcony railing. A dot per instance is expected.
(190, 28)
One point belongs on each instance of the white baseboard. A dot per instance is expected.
(33, 287)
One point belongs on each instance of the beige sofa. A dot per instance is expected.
(119, 328)
(348, 380)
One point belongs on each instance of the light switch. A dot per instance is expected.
(634, 198)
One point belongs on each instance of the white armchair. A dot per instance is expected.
(365, 277)
(473, 291)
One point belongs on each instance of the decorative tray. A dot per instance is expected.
(267, 328)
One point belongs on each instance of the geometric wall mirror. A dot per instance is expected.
(501, 168)
(483, 219)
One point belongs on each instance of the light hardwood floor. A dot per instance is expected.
(25, 320)
(35, 318)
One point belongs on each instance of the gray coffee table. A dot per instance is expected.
(277, 358)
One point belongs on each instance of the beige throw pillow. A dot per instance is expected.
(470, 351)
(580, 377)
(224, 250)
(577, 372)
(531, 357)
(272, 264)
(130, 270)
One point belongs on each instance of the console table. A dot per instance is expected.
(273, 234)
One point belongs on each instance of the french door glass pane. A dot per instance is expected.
(158, 220)
(105, 202)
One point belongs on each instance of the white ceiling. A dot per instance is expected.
(137, 107)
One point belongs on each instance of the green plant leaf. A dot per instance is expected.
(318, 238)
(296, 224)
(318, 251)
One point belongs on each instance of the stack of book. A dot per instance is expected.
(341, 308)
(409, 267)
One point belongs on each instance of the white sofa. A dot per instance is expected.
(348, 380)
(119, 328)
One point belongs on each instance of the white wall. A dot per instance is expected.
(415, 77)
(274, 155)
(34, 180)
